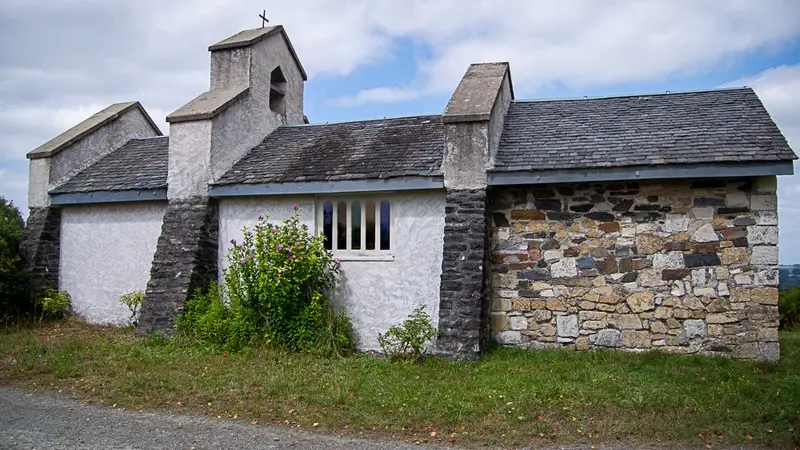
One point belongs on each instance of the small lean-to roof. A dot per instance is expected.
(139, 164)
(370, 149)
(720, 126)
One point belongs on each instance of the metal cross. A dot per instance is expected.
(264, 19)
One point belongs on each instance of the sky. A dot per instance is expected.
(63, 60)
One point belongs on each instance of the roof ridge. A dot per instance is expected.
(644, 94)
(420, 116)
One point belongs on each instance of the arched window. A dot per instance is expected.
(277, 91)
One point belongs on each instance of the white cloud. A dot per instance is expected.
(377, 95)
(154, 51)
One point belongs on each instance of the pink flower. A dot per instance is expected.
(297, 244)
(280, 248)
(243, 261)
(295, 207)
(292, 257)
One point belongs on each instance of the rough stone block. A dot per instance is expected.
(626, 322)
(636, 339)
(508, 337)
(641, 301)
(764, 255)
(766, 202)
(765, 295)
(517, 323)
(719, 305)
(703, 213)
(734, 255)
(567, 326)
(607, 338)
(701, 260)
(648, 244)
(768, 352)
(766, 278)
(565, 268)
(705, 233)
(499, 322)
(675, 223)
(766, 218)
(721, 318)
(671, 260)
(762, 235)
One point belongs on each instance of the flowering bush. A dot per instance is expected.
(278, 284)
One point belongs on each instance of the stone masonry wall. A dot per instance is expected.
(463, 305)
(185, 260)
(40, 248)
(680, 266)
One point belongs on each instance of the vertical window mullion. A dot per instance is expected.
(349, 228)
(363, 235)
(335, 234)
(377, 226)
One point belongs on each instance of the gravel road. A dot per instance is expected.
(44, 420)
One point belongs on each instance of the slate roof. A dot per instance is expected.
(681, 128)
(344, 151)
(139, 164)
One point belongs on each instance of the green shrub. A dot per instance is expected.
(14, 295)
(410, 339)
(789, 307)
(133, 300)
(55, 304)
(276, 290)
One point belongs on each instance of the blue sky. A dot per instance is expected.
(368, 59)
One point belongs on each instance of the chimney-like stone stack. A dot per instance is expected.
(473, 124)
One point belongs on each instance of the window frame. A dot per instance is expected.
(362, 254)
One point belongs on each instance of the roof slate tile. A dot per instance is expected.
(694, 127)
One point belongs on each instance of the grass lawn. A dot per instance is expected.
(510, 397)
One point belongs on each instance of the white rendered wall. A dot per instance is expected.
(106, 251)
(376, 294)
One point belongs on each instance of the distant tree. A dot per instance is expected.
(14, 298)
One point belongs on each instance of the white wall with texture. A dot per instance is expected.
(106, 251)
(375, 293)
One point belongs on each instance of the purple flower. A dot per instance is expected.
(292, 257)
(251, 256)
(274, 230)
(249, 233)
(243, 261)
(337, 260)
(297, 244)
(295, 207)
(260, 217)
(280, 248)
(233, 241)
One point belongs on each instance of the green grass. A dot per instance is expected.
(510, 397)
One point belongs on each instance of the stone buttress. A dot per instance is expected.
(473, 122)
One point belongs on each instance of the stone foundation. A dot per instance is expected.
(185, 260)
(680, 266)
(40, 248)
(463, 309)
